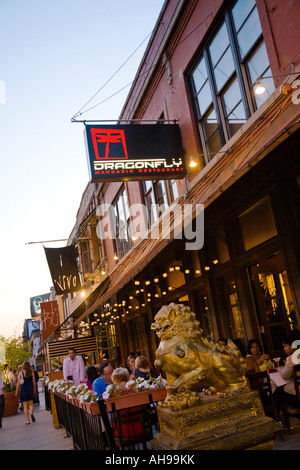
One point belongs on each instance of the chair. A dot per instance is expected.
(260, 381)
(131, 428)
(297, 382)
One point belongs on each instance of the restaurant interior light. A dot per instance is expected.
(116, 257)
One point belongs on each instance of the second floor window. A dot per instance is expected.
(121, 226)
(224, 76)
(158, 195)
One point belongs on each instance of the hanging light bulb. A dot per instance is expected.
(192, 163)
(259, 88)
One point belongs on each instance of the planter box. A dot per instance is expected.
(11, 404)
(91, 408)
(75, 401)
(136, 399)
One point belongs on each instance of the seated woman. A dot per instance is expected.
(251, 364)
(254, 348)
(143, 368)
(91, 375)
(128, 422)
(130, 366)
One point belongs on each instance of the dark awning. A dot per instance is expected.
(81, 345)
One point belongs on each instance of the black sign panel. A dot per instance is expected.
(63, 269)
(134, 152)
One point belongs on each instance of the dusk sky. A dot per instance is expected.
(54, 56)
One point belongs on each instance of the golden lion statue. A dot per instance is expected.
(189, 358)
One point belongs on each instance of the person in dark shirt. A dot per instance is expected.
(143, 368)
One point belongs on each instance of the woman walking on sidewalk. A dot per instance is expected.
(27, 383)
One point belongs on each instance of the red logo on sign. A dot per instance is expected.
(104, 139)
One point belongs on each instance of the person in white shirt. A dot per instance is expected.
(73, 367)
(285, 396)
(2, 401)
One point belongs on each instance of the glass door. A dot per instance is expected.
(275, 305)
(236, 323)
(231, 323)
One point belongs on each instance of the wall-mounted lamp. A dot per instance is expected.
(192, 162)
(259, 88)
(116, 257)
(286, 89)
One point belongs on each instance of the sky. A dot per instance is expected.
(55, 55)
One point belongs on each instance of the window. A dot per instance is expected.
(158, 195)
(224, 76)
(86, 257)
(66, 306)
(121, 225)
(257, 224)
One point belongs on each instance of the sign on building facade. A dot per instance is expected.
(134, 152)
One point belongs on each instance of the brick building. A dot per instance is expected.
(200, 68)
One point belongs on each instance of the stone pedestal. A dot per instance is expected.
(233, 423)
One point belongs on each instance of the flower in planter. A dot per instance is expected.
(133, 386)
(87, 396)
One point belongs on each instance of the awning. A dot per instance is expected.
(81, 345)
(139, 257)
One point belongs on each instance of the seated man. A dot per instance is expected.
(100, 384)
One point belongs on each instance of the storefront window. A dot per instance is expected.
(257, 224)
(278, 299)
(238, 325)
(107, 341)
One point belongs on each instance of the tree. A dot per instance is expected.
(16, 351)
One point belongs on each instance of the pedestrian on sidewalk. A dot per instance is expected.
(2, 401)
(27, 384)
(36, 400)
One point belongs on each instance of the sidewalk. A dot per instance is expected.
(41, 435)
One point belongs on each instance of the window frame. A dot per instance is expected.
(122, 245)
(168, 198)
(241, 73)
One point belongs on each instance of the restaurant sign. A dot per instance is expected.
(134, 152)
